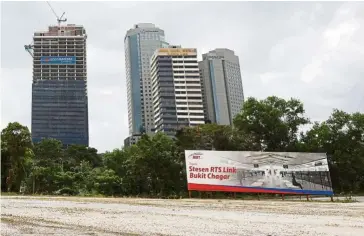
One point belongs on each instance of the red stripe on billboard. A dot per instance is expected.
(221, 188)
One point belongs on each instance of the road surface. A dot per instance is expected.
(122, 216)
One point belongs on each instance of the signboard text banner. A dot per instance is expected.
(58, 60)
(258, 172)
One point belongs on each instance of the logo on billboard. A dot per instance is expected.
(196, 156)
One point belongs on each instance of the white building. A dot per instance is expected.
(176, 89)
(222, 86)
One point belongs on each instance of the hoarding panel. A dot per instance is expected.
(258, 172)
(58, 60)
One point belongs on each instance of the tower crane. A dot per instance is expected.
(29, 48)
(59, 19)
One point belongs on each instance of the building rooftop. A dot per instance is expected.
(144, 25)
(63, 30)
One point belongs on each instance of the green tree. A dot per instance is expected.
(342, 138)
(49, 152)
(106, 181)
(48, 162)
(117, 161)
(272, 123)
(164, 164)
(5, 167)
(77, 153)
(151, 167)
(206, 137)
(15, 146)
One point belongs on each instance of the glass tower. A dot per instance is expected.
(222, 85)
(140, 44)
(59, 88)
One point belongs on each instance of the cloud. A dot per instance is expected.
(269, 77)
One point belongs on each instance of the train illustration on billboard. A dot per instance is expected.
(258, 172)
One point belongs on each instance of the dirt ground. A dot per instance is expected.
(122, 216)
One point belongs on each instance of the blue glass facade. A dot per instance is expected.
(60, 111)
(213, 85)
(135, 82)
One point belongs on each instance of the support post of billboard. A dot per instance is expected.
(285, 173)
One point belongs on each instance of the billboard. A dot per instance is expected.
(178, 51)
(58, 60)
(258, 172)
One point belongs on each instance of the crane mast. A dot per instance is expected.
(59, 19)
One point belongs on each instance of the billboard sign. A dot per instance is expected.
(258, 172)
(178, 51)
(58, 60)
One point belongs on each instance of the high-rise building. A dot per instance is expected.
(59, 88)
(223, 95)
(176, 89)
(140, 44)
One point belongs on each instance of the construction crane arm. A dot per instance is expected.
(59, 19)
(53, 10)
(29, 49)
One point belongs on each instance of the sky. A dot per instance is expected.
(307, 50)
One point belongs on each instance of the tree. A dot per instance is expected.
(342, 138)
(5, 167)
(15, 145)
(272, 123)
(155, 166)
(163, 161)
(151, 167)
(205, 137)
(77, 153)
(106, 181)
(48, 161)
(117, 161)
(49, 152)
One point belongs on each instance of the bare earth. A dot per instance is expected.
(118, 216)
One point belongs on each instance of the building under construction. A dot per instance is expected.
(59, 88)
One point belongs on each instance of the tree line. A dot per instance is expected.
(155, 166)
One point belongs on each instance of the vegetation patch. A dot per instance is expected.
(155, 166)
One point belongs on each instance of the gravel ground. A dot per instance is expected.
(118, 216)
